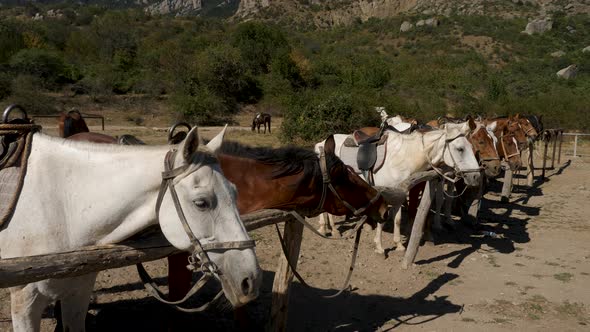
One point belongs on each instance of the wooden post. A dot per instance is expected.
(575, 145)
(418, 226)
(560, 141)
(474, 207)
(554, 138)
(507, 186)
(545, 158)
(530, 175)
(283, 276)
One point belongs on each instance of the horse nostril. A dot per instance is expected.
(246, 286)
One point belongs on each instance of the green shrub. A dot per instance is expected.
(27, 92)
(48, 66)
(315, 115)
(204, 108)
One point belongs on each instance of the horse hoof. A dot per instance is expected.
(380, 252)
(400, 248)
(336, 234)
(322, 231)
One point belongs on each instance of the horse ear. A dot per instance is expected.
(471, 122)
(215, 144)
(190, 144)
(330, 145)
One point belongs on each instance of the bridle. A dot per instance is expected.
(458, 173)
(327, 184)
(199, 259)
(504, 146)
(483, 160)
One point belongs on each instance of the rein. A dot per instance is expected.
(327, 184)
(458, 172)
(199, 259)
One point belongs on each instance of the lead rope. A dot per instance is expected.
(357, 229)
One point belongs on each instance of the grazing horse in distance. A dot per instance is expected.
(71, 123)
(261, 119)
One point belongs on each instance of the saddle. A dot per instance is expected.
(15, 146)
(129, 140)
(366, 153)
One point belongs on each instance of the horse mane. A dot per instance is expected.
(289, 160)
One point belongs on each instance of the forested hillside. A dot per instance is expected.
(320, 79)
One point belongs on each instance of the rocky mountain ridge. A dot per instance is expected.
(326, 13)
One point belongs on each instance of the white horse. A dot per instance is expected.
(78, 193)
(416, 152)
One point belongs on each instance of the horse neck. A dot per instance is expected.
(111, 188)
(434, 146)
(257, 189)
(411, 157)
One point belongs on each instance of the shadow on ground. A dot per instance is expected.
(308, 311)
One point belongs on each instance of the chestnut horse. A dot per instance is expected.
(261, 119)
(71, 123)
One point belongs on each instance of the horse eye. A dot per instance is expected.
(460, 150)
(202, 204)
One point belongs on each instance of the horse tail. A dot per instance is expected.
(61, 124)
(253, 124)
(269, 124)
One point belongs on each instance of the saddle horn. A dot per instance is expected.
(9, 109)
(178, 137)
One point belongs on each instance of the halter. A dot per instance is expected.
(504, 146)
(327, 184)
(458, 172)
(481, 160)
(199, 259)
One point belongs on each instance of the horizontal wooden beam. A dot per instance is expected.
(24, 270)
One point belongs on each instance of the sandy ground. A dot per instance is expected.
(533, 277)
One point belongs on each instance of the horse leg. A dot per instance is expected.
(74, 307)
(323, 221)
(377, 238)
(26, 306)
(335, 232)
(397, 237)
(451, 191)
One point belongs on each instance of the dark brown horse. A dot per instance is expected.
(261, 119)
(71, 123)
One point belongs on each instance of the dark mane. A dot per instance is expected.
(289, 160)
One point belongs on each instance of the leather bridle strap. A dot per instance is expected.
(327, 183)
(506, 156)
(358, 231)
(198, 259)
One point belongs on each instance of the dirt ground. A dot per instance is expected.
(533, 276)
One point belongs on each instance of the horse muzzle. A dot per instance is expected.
(492, 168)
(242, 276)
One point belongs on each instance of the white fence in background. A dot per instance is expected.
(576, 135)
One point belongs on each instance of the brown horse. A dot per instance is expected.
(261, 119)
(514, 128)
(511, 137)
(71, 123)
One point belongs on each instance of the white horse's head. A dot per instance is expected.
(208, 201)
(459, 152)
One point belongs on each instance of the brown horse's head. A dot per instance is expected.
(484, 148)
(516, 129)
(529, 130)
(71, 123)
(508, 149)
(351, 190)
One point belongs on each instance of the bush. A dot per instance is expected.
(258, 44)
(204, 108)
(26, 92)
(5, 85)
(11, 41)
(46, 65)
(313, 117)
